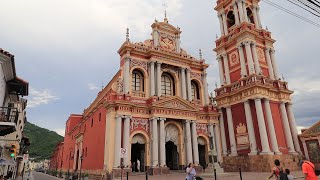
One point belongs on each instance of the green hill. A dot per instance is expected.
(43, 141)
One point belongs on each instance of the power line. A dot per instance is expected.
(291, 13)
(304, 7)
(309, 5)
(314, 3)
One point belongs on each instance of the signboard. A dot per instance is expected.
(123, 152)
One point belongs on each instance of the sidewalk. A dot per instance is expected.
(26, 177)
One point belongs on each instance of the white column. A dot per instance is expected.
(221, 24)
(286, 127)
(258, 14)
(178, 49)
(80, 154)
(224, 20)
(245, 15)
(249, 57)
(220, 70)
(156, 38)
(306, 153)
(270, 67)
(162, 143)
(154, 142)
(223, 134)
(273, 136)
(205, 88)
(152, 79)
(255, 59)
(189, 85)
(212, 135)
(188, 142)
(183, 80)
(195, 143)
(274, 64)
(231, 133)
(242, 62)
(117, 141)
(293, 127)
(158, 79)
(236, 15)
(240, 7)
(262, 128)
(126, 136)
(218, 142)
(252, 137)
(126, 76)
(226, 68)
(255, 17)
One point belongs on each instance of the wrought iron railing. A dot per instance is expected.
(9, 114)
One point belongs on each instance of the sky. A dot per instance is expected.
(67, 50)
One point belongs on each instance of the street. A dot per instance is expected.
(37, 176)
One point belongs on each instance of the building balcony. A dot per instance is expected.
(8, 120)
(138, 94)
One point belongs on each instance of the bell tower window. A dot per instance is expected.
(137, 81)
(167, 85)
(230, 19)
(250, 15)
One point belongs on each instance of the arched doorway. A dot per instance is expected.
(138, 146)
(202, 151)
(172, 141)
(172, 156)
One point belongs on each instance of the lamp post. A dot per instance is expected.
(81, 158)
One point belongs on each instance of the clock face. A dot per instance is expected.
(166, 43)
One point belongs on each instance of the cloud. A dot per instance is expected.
(93, 86)
(60, 131)
(39, 97)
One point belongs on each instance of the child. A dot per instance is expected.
(290, 177)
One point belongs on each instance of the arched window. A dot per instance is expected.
(167, 85)
(195, 91)
(250, 15)
(230, 19)
(137, 81)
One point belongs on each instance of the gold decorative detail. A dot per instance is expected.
(241, 129)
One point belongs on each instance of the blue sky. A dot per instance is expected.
(68, 49)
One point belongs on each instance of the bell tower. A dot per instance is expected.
(256, 120)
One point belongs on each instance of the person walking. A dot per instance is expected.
(191, 172)
(138, 165)
(290, 177)
(308, 170)
(276, 170)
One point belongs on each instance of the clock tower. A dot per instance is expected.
(256, 121)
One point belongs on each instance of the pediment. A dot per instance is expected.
(175, 103)
(315, 129)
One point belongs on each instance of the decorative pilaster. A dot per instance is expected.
(178, 49)
(225, 27)
(273, 137)
(152, 79)
(221, 24)
(205, 88)
(258, 14)
(162, 143)
(195, 143)
(126, 137)
(183, 83)
(117, 141)
(255, 59)
(286, 128)
(231, 133)
(189, 85)
(188, 142)
(252, 138)
(154, 142)
(217, 136)
(262, 128)
(306, 154)
(223, 134)
(155, 38)
(249, 57)
(126, 75)
(293, 127)
(226, 68)
(255, 17)
(240, 7)
(220, 70)
(159, 79)
(274, 65)
(235, 12)
(242, 62)
(270, 67)
(245, 15)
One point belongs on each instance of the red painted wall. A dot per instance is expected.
(277, 122)
(235, 76)
(226, 128)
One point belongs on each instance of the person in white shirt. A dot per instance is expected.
(290, 177)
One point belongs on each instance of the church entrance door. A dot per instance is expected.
(202, 155)
(137, 157)
(172, 156)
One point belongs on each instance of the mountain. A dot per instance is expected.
(43, 141)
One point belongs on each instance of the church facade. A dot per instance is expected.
(257, 121)
(155, 114)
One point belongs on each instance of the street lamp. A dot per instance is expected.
(81, 158)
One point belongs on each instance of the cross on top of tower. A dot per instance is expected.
(200, 54)
(165, 12)
(127, 35)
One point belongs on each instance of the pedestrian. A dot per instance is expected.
(290, 177)
(138, 165)
(191, 172)
(277, 171)
(308, 169)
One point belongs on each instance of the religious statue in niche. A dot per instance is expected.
(242, 137)
(234, 59)
(261, 55)
(167, 43)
